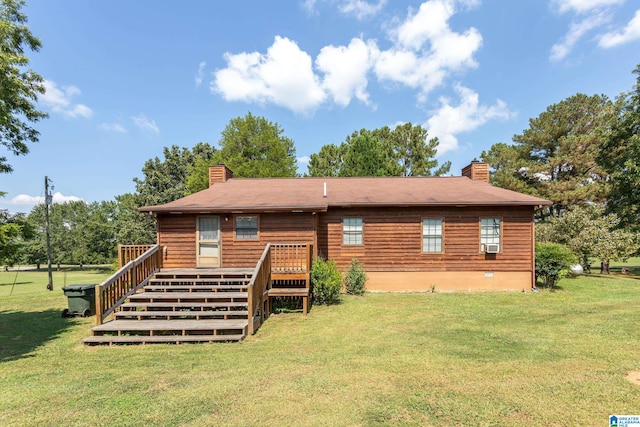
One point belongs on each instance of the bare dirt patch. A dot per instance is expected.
(633, 377)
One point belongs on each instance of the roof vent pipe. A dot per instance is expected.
(325, 190)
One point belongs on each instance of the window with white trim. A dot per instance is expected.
(490, 230)
(246, 227)
(352, 231)
(432, 235)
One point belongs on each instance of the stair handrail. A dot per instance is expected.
(258, 286)
(111, 293)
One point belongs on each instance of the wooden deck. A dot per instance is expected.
(174, 305)
(181, 306)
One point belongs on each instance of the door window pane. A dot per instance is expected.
(209, 227)
(209, 250)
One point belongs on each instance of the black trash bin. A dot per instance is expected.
(82, 300)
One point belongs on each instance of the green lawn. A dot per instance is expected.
(443, 359)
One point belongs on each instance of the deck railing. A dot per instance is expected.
(291, 258)
(128, 253)
(124, 282)
(258, 286)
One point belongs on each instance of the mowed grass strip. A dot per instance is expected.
(467, 359)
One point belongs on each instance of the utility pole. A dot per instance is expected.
(47, 202)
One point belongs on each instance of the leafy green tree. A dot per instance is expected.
(555, 158)
(252, 147)
(99, 232)
(66, 244)
(133, 227)
(19, 88)
(402, 151)
(81, 233)
(507, 167)
(620, 157)
(198, 175)
(327, 162)
(14, 231)
(591, 232)
(366, 155)
(164, 180)
(414, 152)
(35, 251)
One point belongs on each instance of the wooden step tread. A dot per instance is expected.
(166, 313)
(132, 339)
(210, 270)
(183, 304)
(200, 280)
(186, 295)
(171, 325)
(284, 292)
(198, 288)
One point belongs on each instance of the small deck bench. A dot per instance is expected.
(292, 292)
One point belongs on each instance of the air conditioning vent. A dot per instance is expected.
(492, 248)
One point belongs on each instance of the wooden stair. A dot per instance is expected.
(182, 306)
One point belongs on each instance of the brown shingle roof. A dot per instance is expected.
(273, 194)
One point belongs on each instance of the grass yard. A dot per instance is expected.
(481, 359)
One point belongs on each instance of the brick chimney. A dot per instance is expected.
(219, 173)
(477, 171)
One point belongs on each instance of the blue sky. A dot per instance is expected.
(126, 78)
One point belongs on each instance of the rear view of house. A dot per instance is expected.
(411, 233)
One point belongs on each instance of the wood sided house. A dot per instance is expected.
(411, 233)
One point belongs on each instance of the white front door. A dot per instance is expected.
(208, 241)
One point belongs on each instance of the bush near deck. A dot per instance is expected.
(438, 359)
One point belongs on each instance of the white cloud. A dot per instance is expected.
(345, 70)
(303, 160)
(449, 120)
(112, 127)
(59, 100)
(283, 76)
(627, 34)
(26, 200)
(361, 9)
(584, 6)
(427, 50)
(592, 14)
(309, 6)
(576, 31)
(145, 124)
(428, 23)
(200, 73)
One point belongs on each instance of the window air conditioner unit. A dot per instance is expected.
(492, 248)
